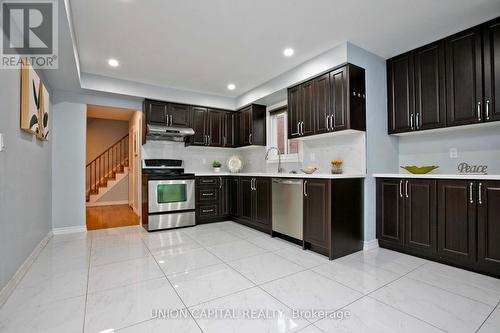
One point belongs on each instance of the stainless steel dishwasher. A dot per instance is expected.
(287, 206)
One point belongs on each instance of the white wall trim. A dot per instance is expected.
(108, 203)
(16, 278)
(370, 245)
(69, 230)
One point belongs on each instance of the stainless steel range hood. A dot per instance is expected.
(167, 133)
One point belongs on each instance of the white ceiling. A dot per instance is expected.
(201, 45)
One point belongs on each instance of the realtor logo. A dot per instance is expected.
(29, 30)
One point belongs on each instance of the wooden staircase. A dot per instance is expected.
(106, 166)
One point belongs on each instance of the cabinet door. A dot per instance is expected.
(488, 236)
(491, 35)
(199, 116)
(457, 221)
(307, 108)
(246, 198)
(390, 210)
(156, 112)
(317, 212)
(464, 78)
(262, 201)
(215, 128)
(230, 129)
(246, 126)
(338, 98)
(430, 107)
(420, 209)
(179, 115)
(224, 196)
(294, 116)
(322, 104)
(234, 194)
(400, 96)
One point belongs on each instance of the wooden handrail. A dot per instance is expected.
(114, 144)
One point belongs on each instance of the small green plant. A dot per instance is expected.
(216, 164)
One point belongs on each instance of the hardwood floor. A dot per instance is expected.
(110, 217)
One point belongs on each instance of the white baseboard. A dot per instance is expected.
(107, 203)
(69, 230)
(370, 245)
(16, 278)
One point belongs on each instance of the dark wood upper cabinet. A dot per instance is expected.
(179, 115)
(156, 112)
(231, 129)
(400, 93)
(420, 215)
(464, 78)
(253, 125)
(457, 221)
(294, 112)
(306, 125)
(199, 123)
(215, 128)
(390, 211)
(488, 228)
(334, 101)
(430, 104)
(322, 103)
(491, 62)
(317, 212)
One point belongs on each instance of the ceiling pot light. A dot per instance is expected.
(288, 52)
(113, 63)
(231, 86)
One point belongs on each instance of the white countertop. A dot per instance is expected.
(436, 176)
(281, 175)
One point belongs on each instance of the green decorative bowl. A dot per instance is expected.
(419, 170)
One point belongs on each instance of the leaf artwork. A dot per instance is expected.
(33, 121)
(35, 96)
(45, 119)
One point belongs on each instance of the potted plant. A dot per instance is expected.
(336, 166)
(216, 166)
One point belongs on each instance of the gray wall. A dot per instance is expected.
(68, 164)
(25, 183)
(382, 149)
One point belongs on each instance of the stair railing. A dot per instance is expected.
(106, 166)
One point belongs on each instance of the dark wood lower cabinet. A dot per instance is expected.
(254, 203)
(212, 195)
(317, 212)
(455, 222)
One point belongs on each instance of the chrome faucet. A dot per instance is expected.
(280, 169)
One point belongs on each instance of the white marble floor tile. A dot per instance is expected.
(120, 231)
(310, 329)
(178, 262)
(66, 250)
(202, 229)
(479, 287)
(123, 273)
(54, 317)
(247, 304)
(77, 236)
(310, 291)
(167, 240)
(265, 267)
(235, 250)
(434, 305)
(50, 263)
(245, 233)
(368, 315)
(357, 275)
(304, 258)
(270, 244)
(184, 325)
(121, 307)
(108, 255)
(492, 324)
(396, 262)
(204, 284)
(215, 238)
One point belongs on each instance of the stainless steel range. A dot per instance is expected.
(167, 195)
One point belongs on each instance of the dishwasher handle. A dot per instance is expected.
(287, 181)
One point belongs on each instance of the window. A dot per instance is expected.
(290, 149)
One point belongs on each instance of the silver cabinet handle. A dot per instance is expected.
(220, 183)
(301, 128)
(471, 199)
(298, 127)
(411, 122)
(209, 140)
(479, 111)
(417, 121)
(406, 189)
(480, 194)
(254, 184)
(207, 194)
(207, 210)
(331, 122)
(251, 184)
(400, 188)
(487, 109)
(250, 138)
(305, 188)
(327, 118)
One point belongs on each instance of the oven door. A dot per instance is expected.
(165, 196)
